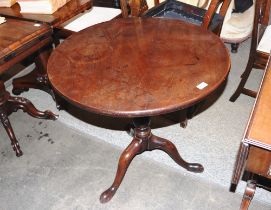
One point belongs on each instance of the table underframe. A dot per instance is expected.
(142, 141)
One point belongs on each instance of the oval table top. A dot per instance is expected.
(137, 67)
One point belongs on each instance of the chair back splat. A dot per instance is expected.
(134, 8)
(213, 7)
(174, 9)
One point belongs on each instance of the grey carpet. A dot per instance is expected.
(61, 169)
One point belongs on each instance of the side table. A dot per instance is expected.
(254, 154)
(18, 40)
(121, 68)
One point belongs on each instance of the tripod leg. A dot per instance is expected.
(135, 147)
(168, 147)
(27, 106)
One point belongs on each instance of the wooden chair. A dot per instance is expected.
(173, 9)
(258, 56)
(135, 8)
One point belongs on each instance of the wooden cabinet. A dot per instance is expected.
(254, 156)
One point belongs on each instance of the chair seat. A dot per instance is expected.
(265, 44)
(173, 9)
(94, 16)
(238, 27)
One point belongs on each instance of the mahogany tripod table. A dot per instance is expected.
(138, 68)
(18, 40)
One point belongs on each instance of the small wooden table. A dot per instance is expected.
(254, 155)
(19, 39)
(138, 68)
(38, 77)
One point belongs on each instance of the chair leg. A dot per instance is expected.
(183, 118)
(234, 47)
(243, 81)
(248, 195)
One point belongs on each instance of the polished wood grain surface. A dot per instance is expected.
(72, 8)
(17, 36)
(138, 67)
(258, 132)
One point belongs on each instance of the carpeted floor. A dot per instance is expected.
(63, 169)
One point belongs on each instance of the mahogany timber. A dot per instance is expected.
(19, 39)
(133, 67)
(255, 150)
